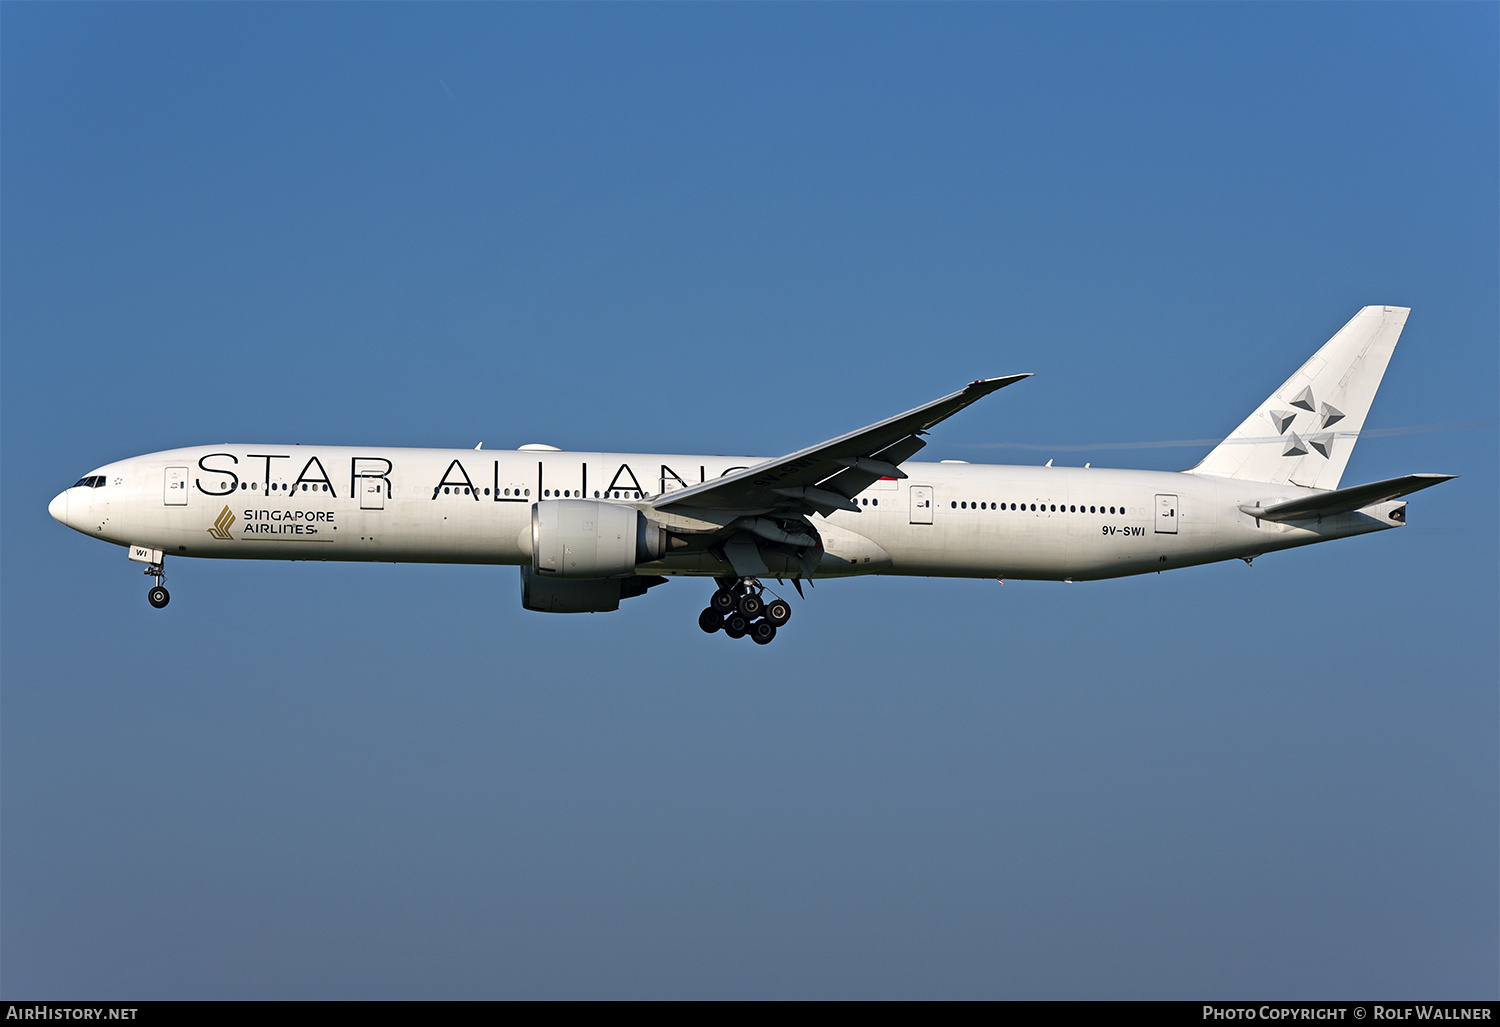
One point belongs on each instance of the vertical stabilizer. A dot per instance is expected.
(1304, 433)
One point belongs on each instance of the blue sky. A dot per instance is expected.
(743, 229)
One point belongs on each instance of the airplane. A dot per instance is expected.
(589, 530)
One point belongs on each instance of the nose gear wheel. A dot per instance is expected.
(157, 596)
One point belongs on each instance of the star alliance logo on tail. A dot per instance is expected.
(220, 530)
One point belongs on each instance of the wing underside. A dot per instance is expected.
(744, 517)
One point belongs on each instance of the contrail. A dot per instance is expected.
(1410, 429)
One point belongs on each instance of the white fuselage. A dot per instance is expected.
(474, 506)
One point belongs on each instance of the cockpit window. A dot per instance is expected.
(93, 481)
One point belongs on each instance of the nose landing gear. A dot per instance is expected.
(158, 596)
(741, 607)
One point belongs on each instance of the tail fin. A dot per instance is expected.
(1305, 432)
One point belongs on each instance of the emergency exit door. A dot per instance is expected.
(921, 504)
(372, 493)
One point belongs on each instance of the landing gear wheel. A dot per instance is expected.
(723, 601)
(158, 597)
(710, 620)
(778, 612)
(762, 631)
(736, 625)
(751, 605)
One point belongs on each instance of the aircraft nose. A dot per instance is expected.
(58, 508)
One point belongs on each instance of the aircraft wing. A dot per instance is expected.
(823, 478)
(1345, 500)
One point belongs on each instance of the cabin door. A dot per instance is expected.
(174, 488)
(1166, 515)
(372, 493)
(921, 504)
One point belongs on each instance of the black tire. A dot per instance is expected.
(762, 631)
(736, 625)
(778, 612)
(710, 620)
(158, 597)
(724, 601)
(751, 605)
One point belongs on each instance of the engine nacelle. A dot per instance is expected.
(584, 538)
(591, 595)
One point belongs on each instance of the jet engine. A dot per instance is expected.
(583, 538)
(589, 595)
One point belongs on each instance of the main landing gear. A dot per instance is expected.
(743, 608)
(158, 596)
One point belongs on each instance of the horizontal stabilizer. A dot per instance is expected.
(1345, 500)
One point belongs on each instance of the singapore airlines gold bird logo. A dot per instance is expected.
(220, 530)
